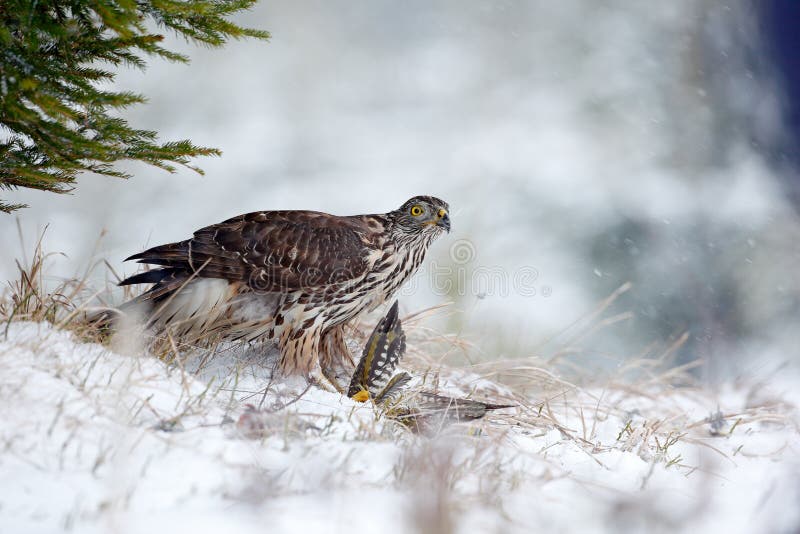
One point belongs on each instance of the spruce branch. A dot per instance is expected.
(56, 118)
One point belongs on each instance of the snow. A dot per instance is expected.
(96, 441)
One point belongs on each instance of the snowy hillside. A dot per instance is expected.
(94, 441)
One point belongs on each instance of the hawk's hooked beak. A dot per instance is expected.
(443, 220)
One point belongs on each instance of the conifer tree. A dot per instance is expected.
(57, 115)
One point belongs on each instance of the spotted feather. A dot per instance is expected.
(383, 350)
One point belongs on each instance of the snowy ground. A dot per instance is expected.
(94, 441)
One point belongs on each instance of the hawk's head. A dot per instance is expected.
(423, 214)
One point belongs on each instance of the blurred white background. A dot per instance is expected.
(595, 142)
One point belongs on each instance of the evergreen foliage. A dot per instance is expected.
(56, 57)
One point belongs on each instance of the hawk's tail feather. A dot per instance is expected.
(166, 282)
(152, 276)
(163, 254)
(199, 255)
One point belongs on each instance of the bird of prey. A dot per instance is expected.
(295, 277)
(421, 411)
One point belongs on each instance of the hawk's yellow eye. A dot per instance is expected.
(416, 210)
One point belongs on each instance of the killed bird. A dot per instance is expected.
(425, 411)
(382, 352)
(421, 411)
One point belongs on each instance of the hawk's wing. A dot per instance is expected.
(269, 251)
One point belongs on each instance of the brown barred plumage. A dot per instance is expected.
(298, 277)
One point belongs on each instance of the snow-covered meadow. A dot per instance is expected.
(97, 441)
(615, 153)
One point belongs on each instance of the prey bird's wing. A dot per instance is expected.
(393, 388)
(382, 352)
